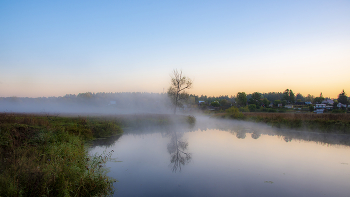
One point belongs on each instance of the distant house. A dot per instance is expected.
(341, 105)
(211, 108)
(289, 106)
(279, 105)
(329, 107)
(328, 101)
(308, 103)
(200, 102)
(319, 108)
(299, 103)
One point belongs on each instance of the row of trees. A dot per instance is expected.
(264, 99)
(180, 83)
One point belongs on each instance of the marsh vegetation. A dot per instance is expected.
(44, 155)
(325, 123)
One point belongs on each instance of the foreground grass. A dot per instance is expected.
(47, 156)
(327, 123)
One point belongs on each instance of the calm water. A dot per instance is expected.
(227, 159)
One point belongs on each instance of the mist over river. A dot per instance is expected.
(227, 158)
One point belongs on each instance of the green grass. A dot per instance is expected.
(47, 156)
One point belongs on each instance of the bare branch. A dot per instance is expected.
(178, 84)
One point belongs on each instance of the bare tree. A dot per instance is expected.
(176, 149)
(176, 91)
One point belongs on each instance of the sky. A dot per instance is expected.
(53, 48)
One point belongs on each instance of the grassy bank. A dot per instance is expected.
(47, 156)
(327, 123)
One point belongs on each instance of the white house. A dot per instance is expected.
(328, 101)
(341, 105)
(289, 106)
(319, 108)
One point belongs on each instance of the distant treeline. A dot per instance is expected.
(271, 96)
(264, 99)
(123, 102)
(143, 102)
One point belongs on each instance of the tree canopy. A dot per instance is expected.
(343, 98)
(176, 91)
(241, 99)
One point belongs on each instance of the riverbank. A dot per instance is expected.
(47, 155)
(44, 155)
(324, 123)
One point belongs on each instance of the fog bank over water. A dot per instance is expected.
(101, 103)
(241, 130)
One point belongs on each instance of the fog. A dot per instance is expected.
(83, 103)
(154, 103)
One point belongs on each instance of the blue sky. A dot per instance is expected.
(52, 48)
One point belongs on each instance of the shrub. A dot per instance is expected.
(311, 108)
(252, 107)
(338, 111)
(191, 120)
(264, 109)
(271, 110)
(234, 112)
(244, 109)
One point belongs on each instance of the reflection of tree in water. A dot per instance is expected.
(176, 149)
(241, 134)
(287, 138)
(255, 135)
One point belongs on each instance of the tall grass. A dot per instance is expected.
(329, 123)
(47, 156)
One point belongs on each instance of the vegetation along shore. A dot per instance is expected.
(47, 156)
(325, 123)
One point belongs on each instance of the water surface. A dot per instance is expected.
(220, 159)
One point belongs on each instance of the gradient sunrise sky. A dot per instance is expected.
(53, 48)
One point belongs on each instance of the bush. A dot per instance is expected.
(234, 112)
(338, 111)
(244, 109)
(191, 120)
(252, 107)
(264, 110)
(282, 110)
(271, 110)
(311, 108)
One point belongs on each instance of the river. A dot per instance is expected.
(227, 158)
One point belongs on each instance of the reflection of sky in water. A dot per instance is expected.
(222, 164)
